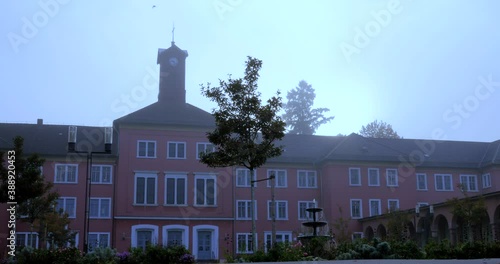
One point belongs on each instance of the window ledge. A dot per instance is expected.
(135, 204)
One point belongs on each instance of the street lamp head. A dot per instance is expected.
(71, 138)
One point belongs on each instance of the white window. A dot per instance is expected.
(176, 235)
(244, 243)
(443, 182)
(392, 177)
(176, 150)
(146, 149)
(469, 183)
(354, 177)
(375, 208)
(100, 208)
(279, 180)
(486, 180)
(98, 240)
(421, 181)
(205, 190)
(66, 173)
(357, 235)
(67, 205)
(243, 209)
(356, 208)
(145, 189)
(281, 210)
(281, 237)
(27, 239)
(307, 179)
(203, 147)
(143, 235)
(175, 189)
(392, 205)
(101, 174)
(373, 177)
(303, 214)
(243, 177)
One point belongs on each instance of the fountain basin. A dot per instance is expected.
(314, 224)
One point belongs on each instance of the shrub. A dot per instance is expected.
(407, 250)
(100, 255)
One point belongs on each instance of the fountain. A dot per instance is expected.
(315, 224)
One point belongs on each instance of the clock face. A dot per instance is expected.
(173, 61)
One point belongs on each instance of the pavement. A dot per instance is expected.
(396, 261)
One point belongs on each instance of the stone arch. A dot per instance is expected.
(369, 234)
(410, 227)
(478, 231)
(496, 223)
(482, 230)
(381, 232)
(442, 228)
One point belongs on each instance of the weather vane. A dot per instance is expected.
(173, 28)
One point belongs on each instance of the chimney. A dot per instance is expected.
(39, 121)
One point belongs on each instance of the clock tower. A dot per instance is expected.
(172, 75)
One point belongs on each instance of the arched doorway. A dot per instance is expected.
(443, 230)
(496, 223)
(381, 232)
(369, 234)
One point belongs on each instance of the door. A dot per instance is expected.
(204, 244)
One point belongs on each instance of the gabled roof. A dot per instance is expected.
(51, 140)
(161, 113)
(305, 148)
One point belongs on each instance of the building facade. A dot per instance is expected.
(151, 187)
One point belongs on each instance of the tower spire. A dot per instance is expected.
(173, 28)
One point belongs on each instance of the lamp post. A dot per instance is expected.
(108, 140)
(273, 210)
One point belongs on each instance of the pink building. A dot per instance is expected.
(152, 188)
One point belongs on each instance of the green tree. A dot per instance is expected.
(33, 194)
(341, 226)
(378, 129)
(299, 115)
(397, 226)
(469, 212)
(246, 130)
(28, 179)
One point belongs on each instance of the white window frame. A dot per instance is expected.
(306, 175)
(66, 166)
(360, 208)
(100, 199)
(370, 179)
(177, 144)
(202, 147)
(278, 173)
(176, 178)
(136, 228)
(443, 181)
(248, 243)
(351, 176)
(388, 175)
(205, 178)
(26, 239)
(276, 213)
(424, 177)
(146, 175)
(307, 204)
(379, 207)
(267, 238)
(64, 198)
(486, 177)
(247, 205)
(183, 228)
(466, 186)
(100, 174)
(245, 174)
(389, 205)
(146, 156)
(99, 234)
(357, 235)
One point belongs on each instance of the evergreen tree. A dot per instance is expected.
(378, 129)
